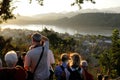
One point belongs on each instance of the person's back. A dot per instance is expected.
(32, 56)
(61, 71)
(12, 72)
(88, 75)
(76, 72)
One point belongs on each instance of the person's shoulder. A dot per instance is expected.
(58, 67)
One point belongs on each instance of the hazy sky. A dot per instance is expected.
(24, 8)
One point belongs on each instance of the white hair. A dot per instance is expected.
(11, 58)
(83, 63)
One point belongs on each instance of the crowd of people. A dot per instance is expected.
(39, 60)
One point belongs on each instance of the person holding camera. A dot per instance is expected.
(37, 56)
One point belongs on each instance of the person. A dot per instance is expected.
(51, 62)
(31, 59)
(20, 58)
(0, 63)
(61, 72)
(84, 65)
(99, 76)
(76, 72)
(105, 77)
(12, 72)
(11, 58)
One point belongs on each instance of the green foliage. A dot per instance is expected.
(6, 10)
(58, 43)
(78, 2)
(110, 59)
(39, 2)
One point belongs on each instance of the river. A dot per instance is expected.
(81, 30)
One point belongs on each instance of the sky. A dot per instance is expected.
(57, 6)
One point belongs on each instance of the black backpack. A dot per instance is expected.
(63, 75)
(75, 75)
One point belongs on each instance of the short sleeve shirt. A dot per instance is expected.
(31, 59)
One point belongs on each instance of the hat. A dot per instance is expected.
(36, 37)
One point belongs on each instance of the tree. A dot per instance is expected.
(116, 51)
(6, 8)
(110, 58)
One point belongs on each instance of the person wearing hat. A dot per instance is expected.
(31, 59)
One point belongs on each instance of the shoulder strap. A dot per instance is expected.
(62, 68)
(69, 69)
(39, 59)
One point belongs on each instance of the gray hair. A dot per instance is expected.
(11, 58)
(36, 37)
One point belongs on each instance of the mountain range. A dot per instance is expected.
(85, 18)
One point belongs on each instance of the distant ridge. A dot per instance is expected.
(90, 19)
(86, 18)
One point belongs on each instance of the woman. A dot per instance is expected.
(76, 72)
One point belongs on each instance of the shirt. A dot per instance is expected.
(51, 59)
(58, 71)
(31, 59)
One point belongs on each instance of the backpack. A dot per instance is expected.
(63, 75)
(75, 75)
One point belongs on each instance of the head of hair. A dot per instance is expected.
(75, 60)
(106, 77)
(11, 58)
(84, 63)
(64, 57)
(99, 76)
(36, 37)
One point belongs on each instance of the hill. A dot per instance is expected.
(95, 20)
(91, 20)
